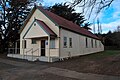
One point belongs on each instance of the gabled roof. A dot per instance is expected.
(67, 24)
(46, 28)
(63, 23)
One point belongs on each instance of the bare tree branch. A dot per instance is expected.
(91, 5)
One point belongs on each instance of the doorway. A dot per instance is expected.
(42, 47)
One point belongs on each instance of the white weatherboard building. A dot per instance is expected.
(48, 37)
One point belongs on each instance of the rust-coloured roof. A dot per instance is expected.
(46, 28)
(61, 22)
(69, 25)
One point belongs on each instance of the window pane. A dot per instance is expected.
(95, 43)
(86, 43)
(65, 42)
(52, 43)
(100, 44)
(92, 43)
(33, 41)
(24, 43)
(70, 42)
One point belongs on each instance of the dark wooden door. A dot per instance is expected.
(42, 47)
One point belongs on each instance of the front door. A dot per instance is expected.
(42, 47)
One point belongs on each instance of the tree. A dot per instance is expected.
(112, 39)
(12, 17)
(68, 13)
(13, 13)
(91, 5)
(86, 26)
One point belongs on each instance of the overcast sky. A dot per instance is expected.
(109, 18)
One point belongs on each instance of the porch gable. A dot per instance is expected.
(38, 29)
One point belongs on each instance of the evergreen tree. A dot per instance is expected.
(12, 16)
(68, 13)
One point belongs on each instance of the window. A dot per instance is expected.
(70, 42)
(33, 41)
(65, 42)
(92, 43)
(52, 43)
(86, 43)
(23, 44)
(96, 43)
(100, 44)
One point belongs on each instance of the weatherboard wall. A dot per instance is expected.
(25, 34)
(78, 44)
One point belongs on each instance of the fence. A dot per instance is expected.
(13, 50)
(33, 54)
(32, 51)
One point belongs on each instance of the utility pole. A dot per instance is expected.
(94, 28)
(99, 27)
(118, 28)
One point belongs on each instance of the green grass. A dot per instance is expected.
(104, 54)
(110, 52)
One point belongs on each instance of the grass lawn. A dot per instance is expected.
(104, 54)
(107, 62)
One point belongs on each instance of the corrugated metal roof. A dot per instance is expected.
(69, 25)
(46, 28)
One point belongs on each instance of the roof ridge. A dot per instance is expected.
(64, 23)
(55, 14)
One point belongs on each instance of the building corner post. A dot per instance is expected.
(48, 48)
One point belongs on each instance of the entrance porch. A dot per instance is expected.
(42, 49)
(33, 58)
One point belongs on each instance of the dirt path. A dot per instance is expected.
(23, 70)
(106, 63)
(17, 70)
(77, 75)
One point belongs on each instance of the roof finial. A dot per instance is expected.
(34, 18)
(35, 5)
